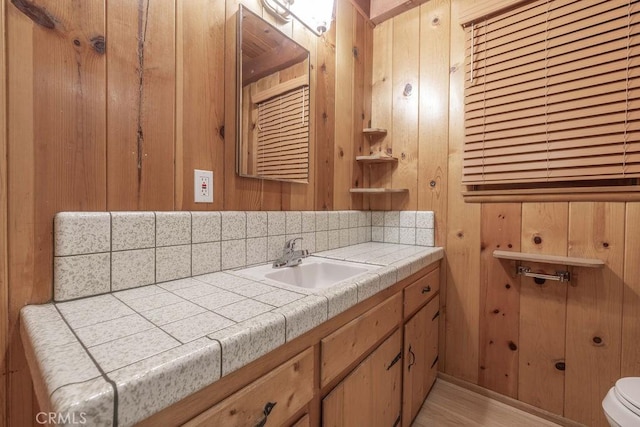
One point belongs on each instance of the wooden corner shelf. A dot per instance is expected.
(374, 132)
(378, 190)
(376, 159)
(549, 259)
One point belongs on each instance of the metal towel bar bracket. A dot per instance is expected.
(560, 276)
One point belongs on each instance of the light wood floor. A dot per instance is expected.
(450, 405)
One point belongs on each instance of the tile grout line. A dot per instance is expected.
(114, 387)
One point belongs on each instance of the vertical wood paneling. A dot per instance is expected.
(4, 282)
(367, 79)
(344, 137)
(325, 119)
(434, 113)
(499, 299)
(463, 230)
(141, 104)
(381, 107)
(21, 212)
(406, 89)
(631, 309)
(199, 99)
(57, 135)
(543, 309)
(358, 121)
(594, 307)
(83, 94)
(433, 126)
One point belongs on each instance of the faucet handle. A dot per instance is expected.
(290, 244)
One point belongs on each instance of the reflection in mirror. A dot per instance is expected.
(273, 102)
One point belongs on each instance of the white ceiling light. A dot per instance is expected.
(316, 15)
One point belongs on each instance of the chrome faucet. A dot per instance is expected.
(290, 256)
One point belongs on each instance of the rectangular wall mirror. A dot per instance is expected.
(273, 102)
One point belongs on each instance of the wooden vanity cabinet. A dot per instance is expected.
(371, 394)
(270, 400)
(373, 364)
(420, 359)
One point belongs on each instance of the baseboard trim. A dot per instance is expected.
(549, 416)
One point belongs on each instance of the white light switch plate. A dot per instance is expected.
(203, 186)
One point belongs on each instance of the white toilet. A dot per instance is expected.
(622, 404)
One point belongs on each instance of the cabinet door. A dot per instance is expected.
(420, 359)
(269, 401)
(370, 394)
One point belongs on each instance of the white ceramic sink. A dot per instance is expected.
(313, 273)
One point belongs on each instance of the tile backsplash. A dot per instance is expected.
(100, 252)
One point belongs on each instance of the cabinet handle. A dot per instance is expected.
(413, 359)
(434, 362)
(395, 360)
(266, 411)
(426, 289)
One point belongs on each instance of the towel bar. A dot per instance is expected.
(561, 276)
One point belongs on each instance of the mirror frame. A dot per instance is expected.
(242, 10)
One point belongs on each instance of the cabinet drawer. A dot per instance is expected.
(285, 390)
(351, 341)
(421, 291)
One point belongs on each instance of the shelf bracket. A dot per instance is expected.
(561, 276)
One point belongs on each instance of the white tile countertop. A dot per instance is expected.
(120, 357)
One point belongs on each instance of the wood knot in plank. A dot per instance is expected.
(354, 50)
(512, 346)
(98, 44)
(537, 240)
(37, 14)
(408, 88)
(435, 21)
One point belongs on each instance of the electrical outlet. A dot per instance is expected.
(203, 186)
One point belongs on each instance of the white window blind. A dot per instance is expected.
(283, 136)
(552, 93)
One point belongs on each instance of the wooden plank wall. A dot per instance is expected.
(504, 332)
(112, 104)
